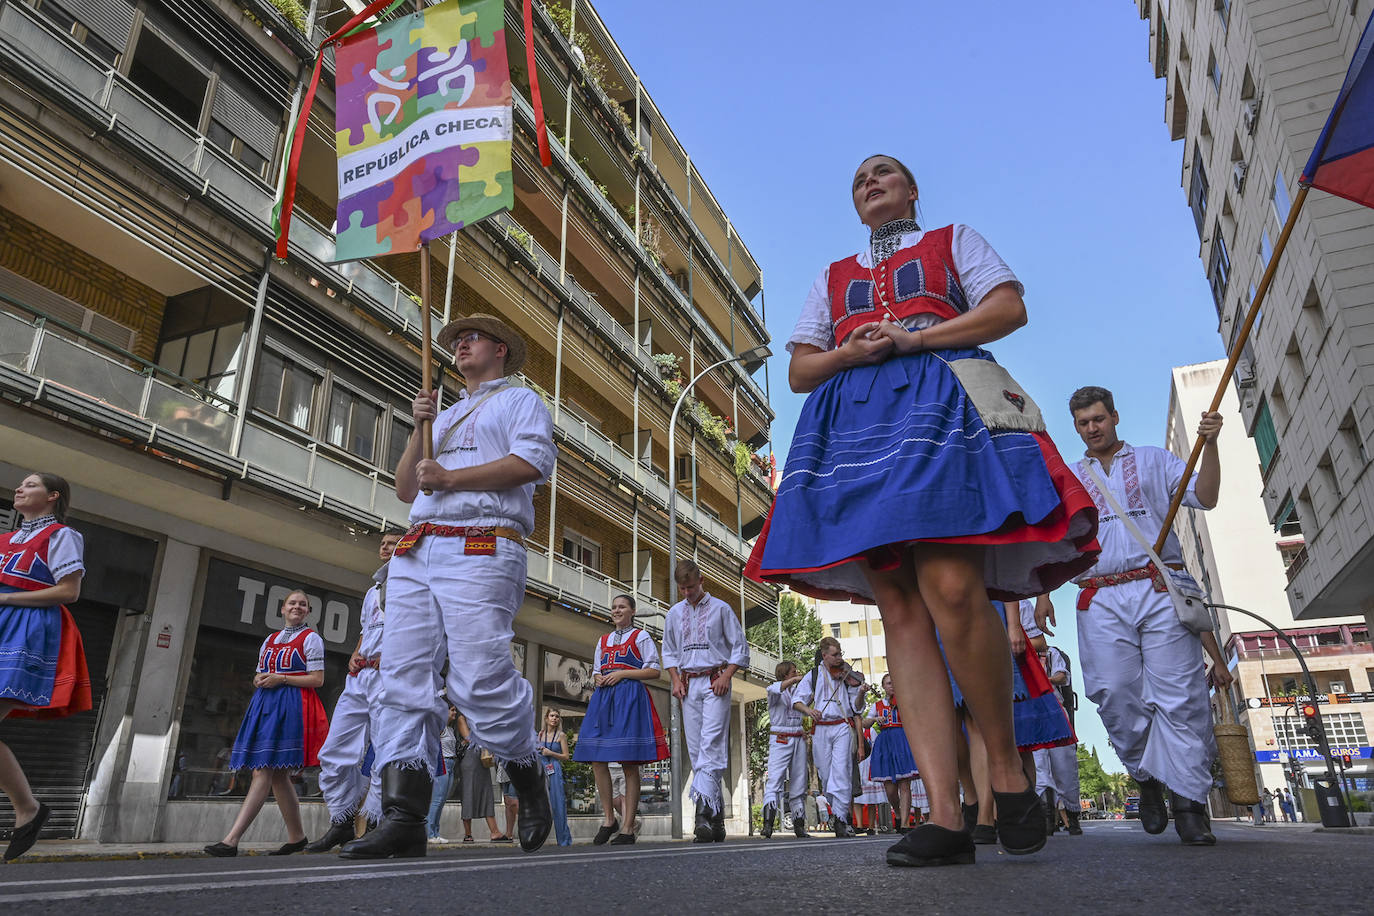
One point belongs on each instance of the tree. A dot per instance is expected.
(801, 631)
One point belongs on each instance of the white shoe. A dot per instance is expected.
(438, 839)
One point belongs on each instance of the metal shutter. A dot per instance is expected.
(245, 120)
(110, 19)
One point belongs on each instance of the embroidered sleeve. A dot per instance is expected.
(736, 646)
(531, 431)
(262, 652)
(66, 553)
(645, 643)
(596, 656)
(1173, 467)
(314, 652)
(813, 324)
(805, 690)
(980, 268)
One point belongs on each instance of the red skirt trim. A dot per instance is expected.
(71, 689)
(316, 726)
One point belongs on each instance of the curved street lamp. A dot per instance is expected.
(675, 707)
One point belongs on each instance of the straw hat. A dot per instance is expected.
(494, 328)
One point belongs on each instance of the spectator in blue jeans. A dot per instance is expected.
(553, 747)
(448, 747)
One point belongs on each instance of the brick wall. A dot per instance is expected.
(42, 257)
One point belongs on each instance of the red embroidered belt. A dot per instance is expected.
(709, 672)
(830, 722)
(480, 539)
(778, 734)
(1088, 587)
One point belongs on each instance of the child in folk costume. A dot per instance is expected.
(892, 764)
(786, 781)
(621, 725)
(42, 663)
(284, 727)
(831, 695)
(920, 478)
(346, 791)
(703, 647)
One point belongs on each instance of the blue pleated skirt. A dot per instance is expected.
(621, 726)
(284, 727)
(891, 757)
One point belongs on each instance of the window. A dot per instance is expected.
(835, 630)
(163, 71)
(1266, 247)
(1266, 440)
(285, 390)
(1218, 269)
(114, 27)
(1197, 192)
(1223, 8)
(1354, 442)
(1278, 196)
(209, 358)
(352, 422)
(1343, 729)
(1214, 71)
(396, 445)
(581, 549)
(243, 123)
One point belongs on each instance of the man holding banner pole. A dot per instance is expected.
(457, 578)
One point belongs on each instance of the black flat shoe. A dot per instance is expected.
(970, 817)
(1154, 817)
(286, 849)
(983, 835)
(23, 838)
(1020, 821)
(336, 835)
(605, 833)
(625, 839)
(221, 850)
(930, 845)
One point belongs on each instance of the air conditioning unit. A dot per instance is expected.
(1250, 114)
(1245, 374)
(1238, 170)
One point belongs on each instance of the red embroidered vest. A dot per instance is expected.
(624, 656)
(916, 280)
(25, 566)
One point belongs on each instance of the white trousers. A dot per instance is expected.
(706, 726)
(786, 782)
(1057, 768)
(1144, 671)
(341, 758)
(832, 749)
(437, 600)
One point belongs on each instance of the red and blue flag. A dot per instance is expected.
(1343, 161)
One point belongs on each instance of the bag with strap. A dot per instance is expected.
(1191, 611)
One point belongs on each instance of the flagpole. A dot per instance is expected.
(1241, 338)
(426, 347)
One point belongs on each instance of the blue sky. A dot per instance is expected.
(1040, 125)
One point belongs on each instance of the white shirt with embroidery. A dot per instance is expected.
(373, 616)
(698, 637)
(644, 644)
(1026, 608)
(313, 647)
(829, 696)
(1143, 479)
(782, 715)
(980, 270)
(511, 421)
(66, 547)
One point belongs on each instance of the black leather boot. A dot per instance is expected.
(799, 827)
(770, 814)
(703, 833)
(1154, 817)
(718, 826)
(334, 836)
(1191, 821)
(1074, 829)
(1051, 815)
(841, 827)
(535, 819)
(404, 830)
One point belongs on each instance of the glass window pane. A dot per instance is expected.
(228, 341)
(298, 397)
(171, 354)
(337, 426)
(267, 394)
(364, 433)
(400, 435)
(198, 347)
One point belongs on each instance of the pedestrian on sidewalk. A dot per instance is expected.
(971, 497)
(284, 727)
(1142, 667)
(621, 727)
(476, 794)
(443, 782)
(42, 662)
(553, 745)
(346, 790)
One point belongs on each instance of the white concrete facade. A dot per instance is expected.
(859, 628)
(1248, 88)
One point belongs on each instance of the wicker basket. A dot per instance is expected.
(1237, 760)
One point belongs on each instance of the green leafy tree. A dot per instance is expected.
(801, 631)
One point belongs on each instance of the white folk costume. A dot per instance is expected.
(785, 787)
(700, 640)
(457, 580)
(342, 781)
(1143, 668)
(1057, 767)
(832, 743)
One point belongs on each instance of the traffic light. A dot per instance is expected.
(1345, 760)
(1312, 724)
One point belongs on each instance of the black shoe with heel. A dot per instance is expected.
(535, 818)
(336, 835)
(1154, 816)
(1192, 823)
(404, 828)
(703, 832)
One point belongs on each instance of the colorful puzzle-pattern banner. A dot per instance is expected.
(422, 128)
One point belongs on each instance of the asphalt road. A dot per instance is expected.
(1113, 868)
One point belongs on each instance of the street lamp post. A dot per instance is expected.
(1323, 747)
(675, 706)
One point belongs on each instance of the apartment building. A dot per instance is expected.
(1242, 560)
(231, 423)
(1248, 87)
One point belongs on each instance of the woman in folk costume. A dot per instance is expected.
(42, 664)
(284, 727)
(891, 762)
(621, 725)
(919, 478)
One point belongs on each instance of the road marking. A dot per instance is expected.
(334, 873)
